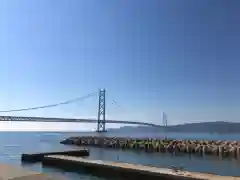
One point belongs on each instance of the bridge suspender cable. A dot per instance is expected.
(51, 105)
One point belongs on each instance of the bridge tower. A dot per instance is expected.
(101, 112)
(164, 119)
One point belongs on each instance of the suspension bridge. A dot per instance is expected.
(101, 116)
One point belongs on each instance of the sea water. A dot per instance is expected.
(13, 144)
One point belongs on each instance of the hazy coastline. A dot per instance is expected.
(218, 127)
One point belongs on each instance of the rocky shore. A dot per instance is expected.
(218, 148)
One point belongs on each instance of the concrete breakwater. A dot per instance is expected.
(218, 148)
(36, 157)
(125, 170)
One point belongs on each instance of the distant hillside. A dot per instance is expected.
(206, 127)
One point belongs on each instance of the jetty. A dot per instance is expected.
(217, 148)
(37, 157)
(125, 170)
(82, 164)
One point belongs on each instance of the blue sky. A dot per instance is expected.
(181, 57)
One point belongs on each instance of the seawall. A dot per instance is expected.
(126, 170)
(36, 157)
(70, 161)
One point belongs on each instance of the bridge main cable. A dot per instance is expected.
(51, 105)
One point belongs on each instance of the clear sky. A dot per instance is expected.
(181, 57)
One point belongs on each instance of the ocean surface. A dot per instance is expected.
(13, 144)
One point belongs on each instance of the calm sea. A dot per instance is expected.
(12, 144)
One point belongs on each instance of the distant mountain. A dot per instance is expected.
(203, 127)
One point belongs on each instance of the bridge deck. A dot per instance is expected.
(45, 119)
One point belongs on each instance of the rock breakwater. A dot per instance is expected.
(219, 148)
